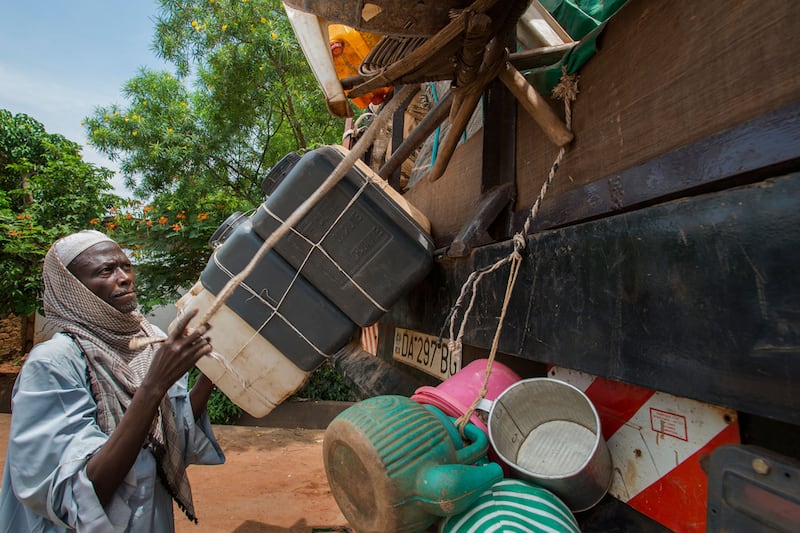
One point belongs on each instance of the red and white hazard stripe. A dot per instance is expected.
(369, 339)
(656, 442)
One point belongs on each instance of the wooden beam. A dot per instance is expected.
(538, 57)
(427, 125)
(739, 155)
(536, 106)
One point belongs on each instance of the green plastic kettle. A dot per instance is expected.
(394, 465)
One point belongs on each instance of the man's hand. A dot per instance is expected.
(177, 354)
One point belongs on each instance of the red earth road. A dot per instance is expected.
(272, 482)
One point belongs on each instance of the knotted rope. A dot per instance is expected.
(566, 90)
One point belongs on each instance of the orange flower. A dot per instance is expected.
(94, 222)
(177, 227)
(163, 220)
(149, 223)
(129, 216)
(111, 225)
(148, 208)
(202, 216)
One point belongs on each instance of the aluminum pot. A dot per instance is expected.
(548, 432)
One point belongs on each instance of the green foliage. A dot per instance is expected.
(206, 150)
(220, 409)
(161, 238)
(46, 191)
(191, 153)
(327, 383)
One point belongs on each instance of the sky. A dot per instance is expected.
(60, 59)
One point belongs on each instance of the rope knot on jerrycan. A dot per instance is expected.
(394, 465)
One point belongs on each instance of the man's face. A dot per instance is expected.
(106, 271)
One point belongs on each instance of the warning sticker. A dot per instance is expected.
(667, 423)
(658, 476)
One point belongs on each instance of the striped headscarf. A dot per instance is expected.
(115, 371)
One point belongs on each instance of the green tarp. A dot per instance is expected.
(583, 20)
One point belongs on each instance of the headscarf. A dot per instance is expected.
(115, 371)
(71, 246)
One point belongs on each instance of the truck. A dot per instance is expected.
(651, 229)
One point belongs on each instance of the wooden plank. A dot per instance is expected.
(538, 57)
(449, 201)
(735, 156)
(536, 106)
(697, 297)
(667, 75)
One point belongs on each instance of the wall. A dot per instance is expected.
(13, 333)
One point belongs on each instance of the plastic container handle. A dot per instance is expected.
(485, 405)
(473, 452)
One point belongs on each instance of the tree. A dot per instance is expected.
(47, 191)
(196, 156)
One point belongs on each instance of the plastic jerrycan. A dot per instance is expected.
(394, 465)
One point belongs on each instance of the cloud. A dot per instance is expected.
(60, 108)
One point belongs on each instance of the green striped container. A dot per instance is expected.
(513, 506)
(395, 466)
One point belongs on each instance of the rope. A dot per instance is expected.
(330, 182)
(318, 246)
(566, 90)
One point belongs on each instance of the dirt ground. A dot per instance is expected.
(272, 482)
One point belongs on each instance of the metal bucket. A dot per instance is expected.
(548, 432)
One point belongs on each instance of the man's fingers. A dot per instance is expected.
(183, 322)
(202, 348)
(186, 318)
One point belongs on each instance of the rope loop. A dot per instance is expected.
(566, 90)
(519, 242)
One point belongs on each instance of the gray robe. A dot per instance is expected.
(54, 433)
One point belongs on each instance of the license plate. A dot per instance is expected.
(425, 352)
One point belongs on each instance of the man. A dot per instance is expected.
(101, 433)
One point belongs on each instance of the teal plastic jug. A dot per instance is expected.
(513, 505)
(394, 465)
